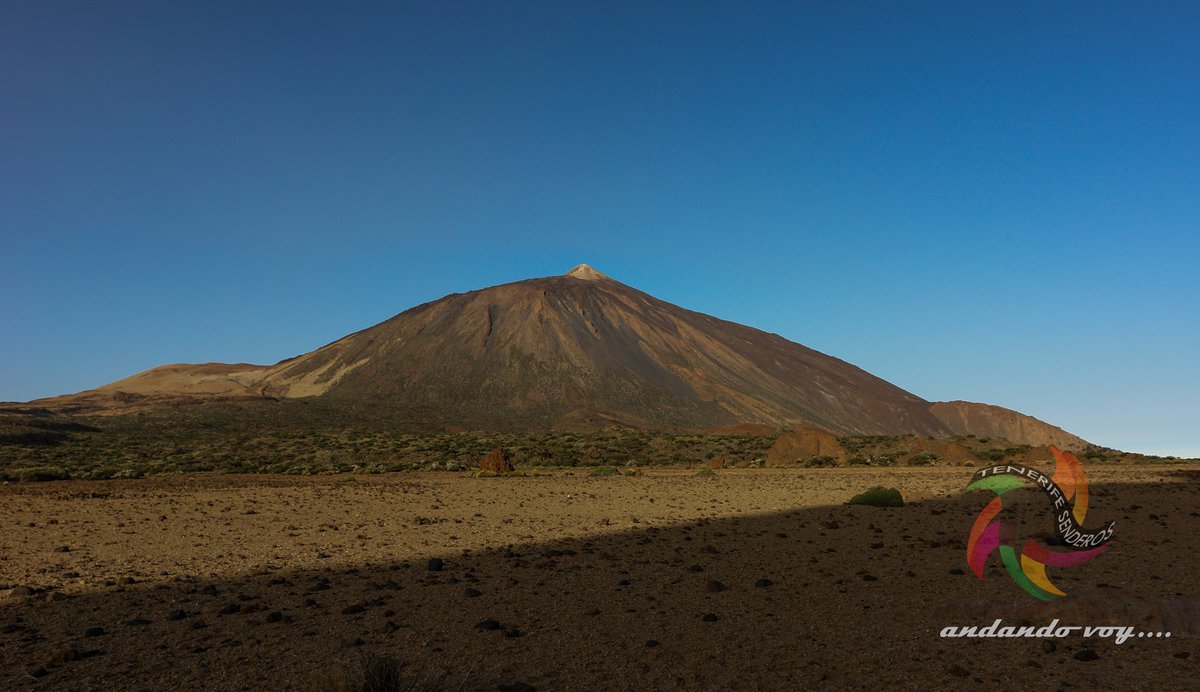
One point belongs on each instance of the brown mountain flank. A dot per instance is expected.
(985, 420)
(576, 351)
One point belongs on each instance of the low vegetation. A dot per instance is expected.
(878, 497)
(296, 438)
(206, 439)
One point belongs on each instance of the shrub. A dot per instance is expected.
(878, 496)
(706, 473)
(923, 459)
(604, 471)
(820, 461)
(34, 474)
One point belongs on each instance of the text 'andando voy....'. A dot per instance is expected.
(997, 629)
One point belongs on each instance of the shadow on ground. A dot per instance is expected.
(829, 597)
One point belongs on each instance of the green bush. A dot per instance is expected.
(34, 474)
(923, 459)
(706, 473)
(878, 496)
(604, 471)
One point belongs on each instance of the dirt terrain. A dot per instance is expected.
(752, 579)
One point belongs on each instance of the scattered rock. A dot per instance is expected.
(353, 609)
(176, 615)
(1086, 655)
(435, 564)
(651, 643)
(958, 671)
(763, 583)
(63, 655)
(274, 616)
(710, 617)
(488, 624)
(714, 586)
(230, 609)
(472, 593)
(1049, 646)
(516, 687)
(63, 549)
(94, 632)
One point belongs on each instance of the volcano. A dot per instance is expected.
(580, 350)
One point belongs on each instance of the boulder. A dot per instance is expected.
(496, 461)
(805, 443)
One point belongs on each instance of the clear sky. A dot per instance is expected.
(995, 202)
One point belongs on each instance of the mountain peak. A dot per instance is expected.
(586, 273)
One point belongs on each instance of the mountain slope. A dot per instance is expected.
(562, 350)
(577, 350)
(986, 420)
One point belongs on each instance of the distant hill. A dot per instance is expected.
(985, 420)
(577, 351)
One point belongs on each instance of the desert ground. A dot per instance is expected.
(752, 579)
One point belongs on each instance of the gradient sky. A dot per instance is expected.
(995, 202)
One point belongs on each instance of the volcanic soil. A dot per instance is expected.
(752, 579)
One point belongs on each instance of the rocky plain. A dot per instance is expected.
(738, 579)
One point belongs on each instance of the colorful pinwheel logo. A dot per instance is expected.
(1068, 492)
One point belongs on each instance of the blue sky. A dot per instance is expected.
(994, 203)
